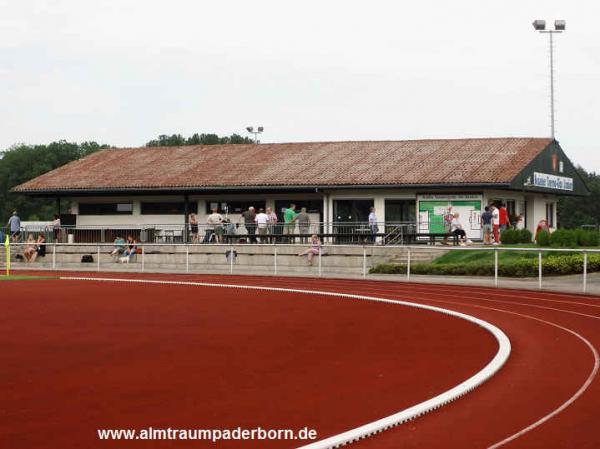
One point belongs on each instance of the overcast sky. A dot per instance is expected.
(122, 72)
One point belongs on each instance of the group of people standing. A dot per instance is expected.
(261, 225)
(494, 221)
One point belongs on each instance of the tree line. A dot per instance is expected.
(23, 162)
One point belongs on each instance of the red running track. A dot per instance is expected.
(549, 364)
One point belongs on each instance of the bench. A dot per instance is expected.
(430, 238)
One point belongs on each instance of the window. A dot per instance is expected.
(168, 208)
(105, 208)
(511, 208)
(351, 211)
(233, 207)
(312, 207)
(400, 211)
(550, 214)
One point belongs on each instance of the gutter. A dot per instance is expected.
(262, 188)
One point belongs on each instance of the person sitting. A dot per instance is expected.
(229, 230)
(30, 248)
(40, 248)
(130, 251)
(119, 247)
(314, 250)
(457, 229)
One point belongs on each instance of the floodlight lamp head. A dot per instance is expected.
(539, 25)
(560, 25)
(250, 129)
(261, 129)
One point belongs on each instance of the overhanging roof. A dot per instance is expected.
(375, 164)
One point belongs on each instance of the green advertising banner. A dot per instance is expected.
(433, 209)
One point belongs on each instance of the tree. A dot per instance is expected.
(176, 140)
(576, 211)
(22, 162)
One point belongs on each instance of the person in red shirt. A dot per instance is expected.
(542, 226)
(504, 222)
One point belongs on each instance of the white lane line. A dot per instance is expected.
(569, 401)
(401, 417)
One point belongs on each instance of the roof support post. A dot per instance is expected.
(186, 220)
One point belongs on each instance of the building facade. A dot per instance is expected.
(407, 182)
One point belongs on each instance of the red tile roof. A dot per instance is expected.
(402, 163)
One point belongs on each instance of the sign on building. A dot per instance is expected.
(435, 210)
(549, 181)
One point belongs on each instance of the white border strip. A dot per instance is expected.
(396, 419)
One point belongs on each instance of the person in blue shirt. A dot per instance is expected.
(14, 224)
(487, 226)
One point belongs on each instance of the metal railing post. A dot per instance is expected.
(320, 251)
(54, 256)
(231, 257)
(187, 258)
(495, 267)
(540, 270)
(364, 261)
(585, 262)
(98, 258)
(408, 265)
(275, 260)
(143, 258)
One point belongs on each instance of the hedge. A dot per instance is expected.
(512, 236)
(563, 238)
(543, 238)
(551, 265)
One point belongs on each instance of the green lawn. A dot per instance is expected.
(504, 256)
(17, 277)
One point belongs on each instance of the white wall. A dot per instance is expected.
(536, 209)
(136, 218)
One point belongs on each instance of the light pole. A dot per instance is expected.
(559, 27)
(259, 130)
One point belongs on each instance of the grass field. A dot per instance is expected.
(17, 277)
(461, 257)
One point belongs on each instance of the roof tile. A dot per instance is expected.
(477, 161)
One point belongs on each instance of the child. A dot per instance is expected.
(314, 250)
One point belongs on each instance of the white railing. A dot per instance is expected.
(342, 260)
(332, 232)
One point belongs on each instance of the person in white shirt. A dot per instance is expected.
(56, 227)
(271, 224)
(373, 224)
(262, 221)
(213, 226)
(457, 229)
(496, 224)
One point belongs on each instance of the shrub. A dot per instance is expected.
(564, 238)
(526, 236)
(388, 268)
(587, 238)
(552, 265)
(513, 236)
(543, 238)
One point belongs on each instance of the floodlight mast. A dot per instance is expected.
(258, 131)
(559, 27)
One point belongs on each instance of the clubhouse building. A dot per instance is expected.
(406, 181)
